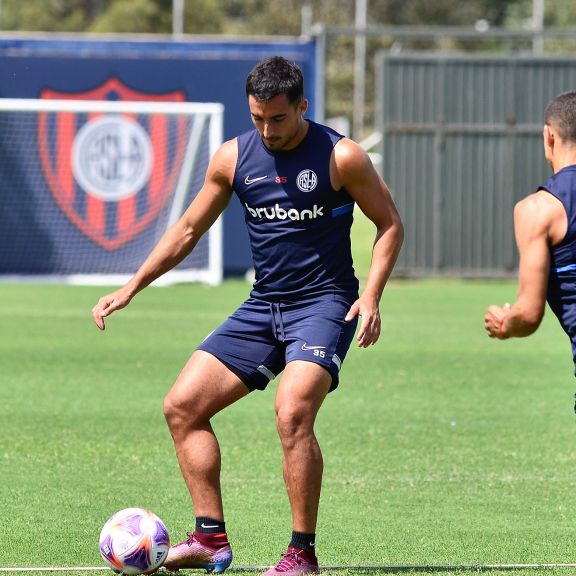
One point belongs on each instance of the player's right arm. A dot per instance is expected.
(179, 240)
(539, 223)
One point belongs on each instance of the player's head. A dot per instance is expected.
(275, 90)
(275, 76)
(560, 114)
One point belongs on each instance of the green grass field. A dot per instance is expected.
(441, 446)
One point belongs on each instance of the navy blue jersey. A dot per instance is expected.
(561, 294)
(299, 226)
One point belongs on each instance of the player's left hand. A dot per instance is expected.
(370, 324)
(494, 321)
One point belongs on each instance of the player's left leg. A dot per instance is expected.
(301, 391)
(317, 340)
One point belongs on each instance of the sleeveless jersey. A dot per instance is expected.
(561, 294)
(299, 226)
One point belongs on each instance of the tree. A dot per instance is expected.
(49, 15)
(109, 16)
(258, 18)
(155, 16)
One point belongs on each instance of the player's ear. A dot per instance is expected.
(548, 134)
(303, 106)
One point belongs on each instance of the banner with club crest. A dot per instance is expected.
(88, 192)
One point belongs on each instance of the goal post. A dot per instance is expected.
(87, 187)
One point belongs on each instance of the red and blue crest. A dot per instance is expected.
(111, 174)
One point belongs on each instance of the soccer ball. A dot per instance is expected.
(134, 541)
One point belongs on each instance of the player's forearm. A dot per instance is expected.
(176, 243)
(384, 255)
(521, 321)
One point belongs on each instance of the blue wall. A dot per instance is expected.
(205, 71)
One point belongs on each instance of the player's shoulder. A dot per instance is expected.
(350, 165)
(349, 155)
(347, 147)
(539, 204)
(228, 149)
(542, 214)
(227, 152)
(223, 163)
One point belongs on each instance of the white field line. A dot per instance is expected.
(323, 566)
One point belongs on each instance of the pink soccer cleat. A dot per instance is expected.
(295, 562)
(191, 553)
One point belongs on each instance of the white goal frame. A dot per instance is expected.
(213, 273)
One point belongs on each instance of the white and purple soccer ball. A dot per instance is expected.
(134, 541)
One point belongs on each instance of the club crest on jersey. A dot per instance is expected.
(111, 174)
(307, 180)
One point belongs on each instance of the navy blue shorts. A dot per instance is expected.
(260, 338)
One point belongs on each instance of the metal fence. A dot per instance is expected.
(461, 143)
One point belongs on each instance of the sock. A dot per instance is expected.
(302, 540)
(205, 525)
(211, 532)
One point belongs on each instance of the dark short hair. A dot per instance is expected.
(561, 115)
(274, 76)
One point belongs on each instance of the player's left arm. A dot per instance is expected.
(539, 222)
(353, 170)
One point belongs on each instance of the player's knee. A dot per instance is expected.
(171, 411)
(176, 414)
(184, 413)
(293, 426)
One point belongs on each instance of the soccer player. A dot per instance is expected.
(545, 228)
(298, 182)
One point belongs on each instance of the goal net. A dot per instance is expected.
(87, 188)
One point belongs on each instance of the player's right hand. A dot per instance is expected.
(108, 304)
(494, 320)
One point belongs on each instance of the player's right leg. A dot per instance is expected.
(204, 387)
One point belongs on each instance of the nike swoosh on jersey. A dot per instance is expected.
(249, 180)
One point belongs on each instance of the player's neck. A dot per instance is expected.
(563, 156)
(563, 161)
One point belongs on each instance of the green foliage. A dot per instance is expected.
(557, 13)
(284, 17)
(48, 15)
(247, 16)
(110, 16)
(263, 17)
(439, 12)
(142, 16)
